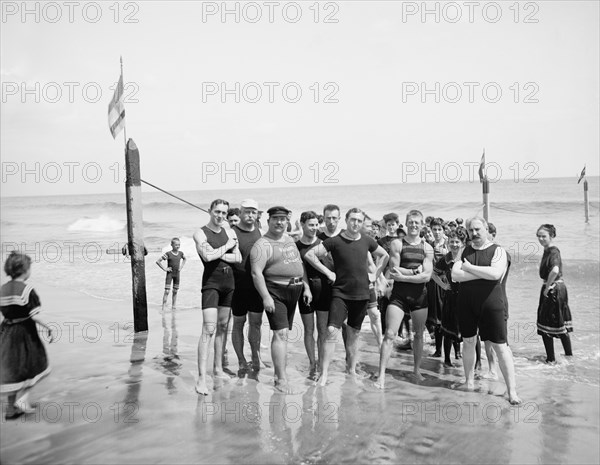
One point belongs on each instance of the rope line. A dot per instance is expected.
(173, 195)
(492, 206)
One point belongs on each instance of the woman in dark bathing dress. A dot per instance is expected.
(450, 329)
(553, 315)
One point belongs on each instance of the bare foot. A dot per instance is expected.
(24, 407)
(282, 386)
(490, 375)
(469, 385)
(418, 376)
(514, 399)
(201, 388)
(322, 381)
(380, 383)
(222, 376)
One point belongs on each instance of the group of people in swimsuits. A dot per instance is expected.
(337, 276)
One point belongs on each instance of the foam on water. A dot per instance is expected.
(102, 223)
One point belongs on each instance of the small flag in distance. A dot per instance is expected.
(582, 175)
(482, 167)
(116, 110)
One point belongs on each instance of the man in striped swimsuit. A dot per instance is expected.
(280, 279)
(411, 265)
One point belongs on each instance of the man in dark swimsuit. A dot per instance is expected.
(482, 303)
(246, 300)
(218, 248)
(350, 293)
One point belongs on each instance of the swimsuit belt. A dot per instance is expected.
(287, 283)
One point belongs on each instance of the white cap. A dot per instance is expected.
(249, 203)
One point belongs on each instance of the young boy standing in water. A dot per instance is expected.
(175, 262)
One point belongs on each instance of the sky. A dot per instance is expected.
(259, 94)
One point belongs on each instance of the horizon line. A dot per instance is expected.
(475, 181)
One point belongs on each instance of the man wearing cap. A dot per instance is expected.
(350, 294)
(246, 300)
(279, 278)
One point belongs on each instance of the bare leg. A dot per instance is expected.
(174, 307)
(469, 361)
(237, 339)
(328, 349)
(507, 367)
(22, 401)
(221, 340)
(308, 319)
(322, 335)
(165, 297)
(375, 320)
(393, 317)
(418, 317)
(279, 356)
(351, 349)
(492, 363)
(209, 326)
(254, 323)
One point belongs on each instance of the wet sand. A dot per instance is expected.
(119, 397)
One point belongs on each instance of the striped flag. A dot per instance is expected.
(482, 167)
(116, 110)
(582, 175)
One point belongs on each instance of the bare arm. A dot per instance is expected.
(550, 281)
(421, 277)
(459, 275)
(494, 272)
(41, 322)
(382, 258)
(313, 256)
(439, 281)
(233, 256)
(160, 265)
(183, 260)
(206, 251)
(260, 253)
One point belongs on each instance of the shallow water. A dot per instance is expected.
(145, 386)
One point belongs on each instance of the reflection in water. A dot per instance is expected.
(134, 382)
(170, 364)
(170, 336)
(555, 424)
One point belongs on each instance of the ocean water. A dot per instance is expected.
(68, 238)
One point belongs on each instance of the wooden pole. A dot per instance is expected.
(586, 203)
(135, 236)
(486, 199)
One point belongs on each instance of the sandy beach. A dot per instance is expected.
(118, 397)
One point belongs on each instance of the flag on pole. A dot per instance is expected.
(582, 175)
(116, 110)
(482, 167)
